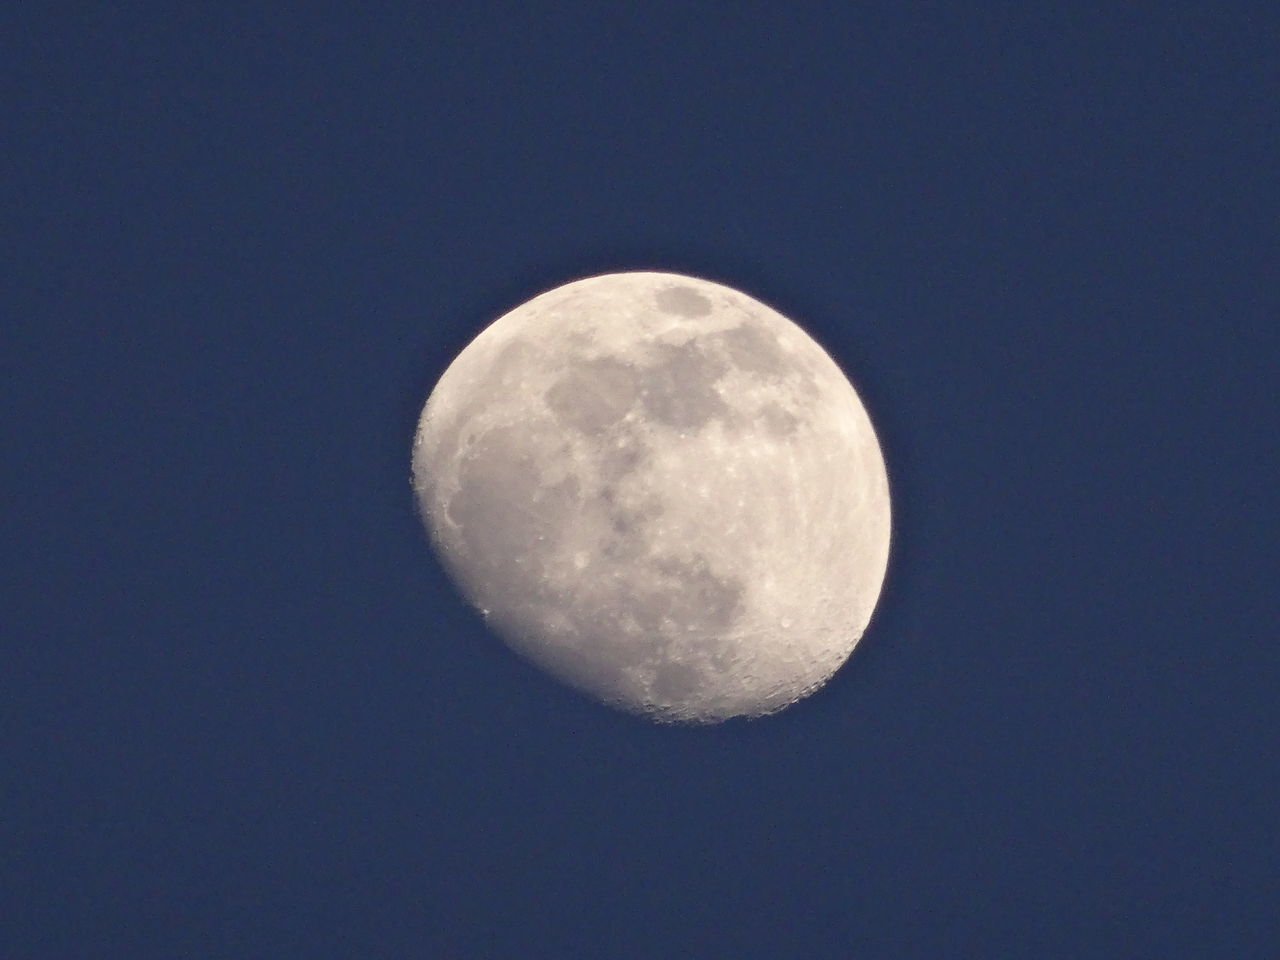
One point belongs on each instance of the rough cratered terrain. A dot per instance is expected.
(660, 490)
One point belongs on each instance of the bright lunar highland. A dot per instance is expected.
(661, 491)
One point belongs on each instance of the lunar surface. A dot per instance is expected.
(661, 491)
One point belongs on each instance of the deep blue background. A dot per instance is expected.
(244, 715)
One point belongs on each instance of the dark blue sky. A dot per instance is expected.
(244, 715)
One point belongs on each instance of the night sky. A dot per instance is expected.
(242, 712)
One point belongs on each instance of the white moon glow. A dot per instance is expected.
(660, 490)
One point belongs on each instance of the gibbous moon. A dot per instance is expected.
(661, 491)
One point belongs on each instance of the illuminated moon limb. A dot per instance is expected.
(661, 491)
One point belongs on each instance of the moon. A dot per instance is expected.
(662, 492)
